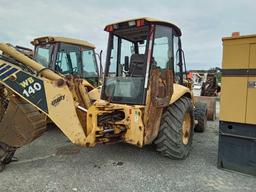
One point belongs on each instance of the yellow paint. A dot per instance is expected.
(64, 114)
(178, 92)
(52, 39)
(236, 56)
(233, 99)
(132, 122)
(95, 93)
(251, 95)
(251, 104)
(252, 64)
(135, 133)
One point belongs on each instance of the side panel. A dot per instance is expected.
(62, 112)
(236, 56)
(234, 87)
(233, 99)
(26, 85)
(251, 94)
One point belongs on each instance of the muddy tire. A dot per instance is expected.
(176, 130)
(201, 116)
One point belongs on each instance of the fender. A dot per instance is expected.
(179, 91)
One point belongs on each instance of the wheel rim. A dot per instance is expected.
(186, 128)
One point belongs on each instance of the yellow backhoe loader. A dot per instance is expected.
(64, 58)
(145, 97)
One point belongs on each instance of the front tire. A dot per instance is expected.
(176, 130)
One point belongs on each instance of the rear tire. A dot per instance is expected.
(173, 141)
(200, 116)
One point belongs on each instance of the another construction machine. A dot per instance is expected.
(206, 89)
(145, 97)
(205, 83)
(61, 58)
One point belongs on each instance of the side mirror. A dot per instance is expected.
(126, 63)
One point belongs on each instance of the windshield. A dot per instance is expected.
(43, 54)
(126, 66)
(89, 63)
(77, 60)
(68, 60)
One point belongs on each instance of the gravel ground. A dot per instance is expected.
(52, 163)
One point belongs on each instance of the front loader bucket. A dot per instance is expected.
(21, 123)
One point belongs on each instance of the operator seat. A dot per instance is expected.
(137, 65)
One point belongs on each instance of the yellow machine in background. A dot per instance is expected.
(56, 58)
(237, 140)
(145, 97)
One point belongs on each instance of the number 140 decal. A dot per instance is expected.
(32, 89)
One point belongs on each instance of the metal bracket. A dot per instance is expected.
(251, 84)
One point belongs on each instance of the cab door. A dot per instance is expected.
(160, 81)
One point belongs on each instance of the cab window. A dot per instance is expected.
(68, 61)
(163, 52)
(89, 64)
(43, 54)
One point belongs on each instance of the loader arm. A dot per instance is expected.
(49, 93)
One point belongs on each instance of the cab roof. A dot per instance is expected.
(53, 39)
(150, 20)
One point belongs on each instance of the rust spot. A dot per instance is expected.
(162, 87)
(60, 82)
(161, 90)
(13, 78)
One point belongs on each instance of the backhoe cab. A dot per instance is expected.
(144, 97)
(67, 57)
(139, 50)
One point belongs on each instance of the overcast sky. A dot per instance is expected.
(203, 22)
